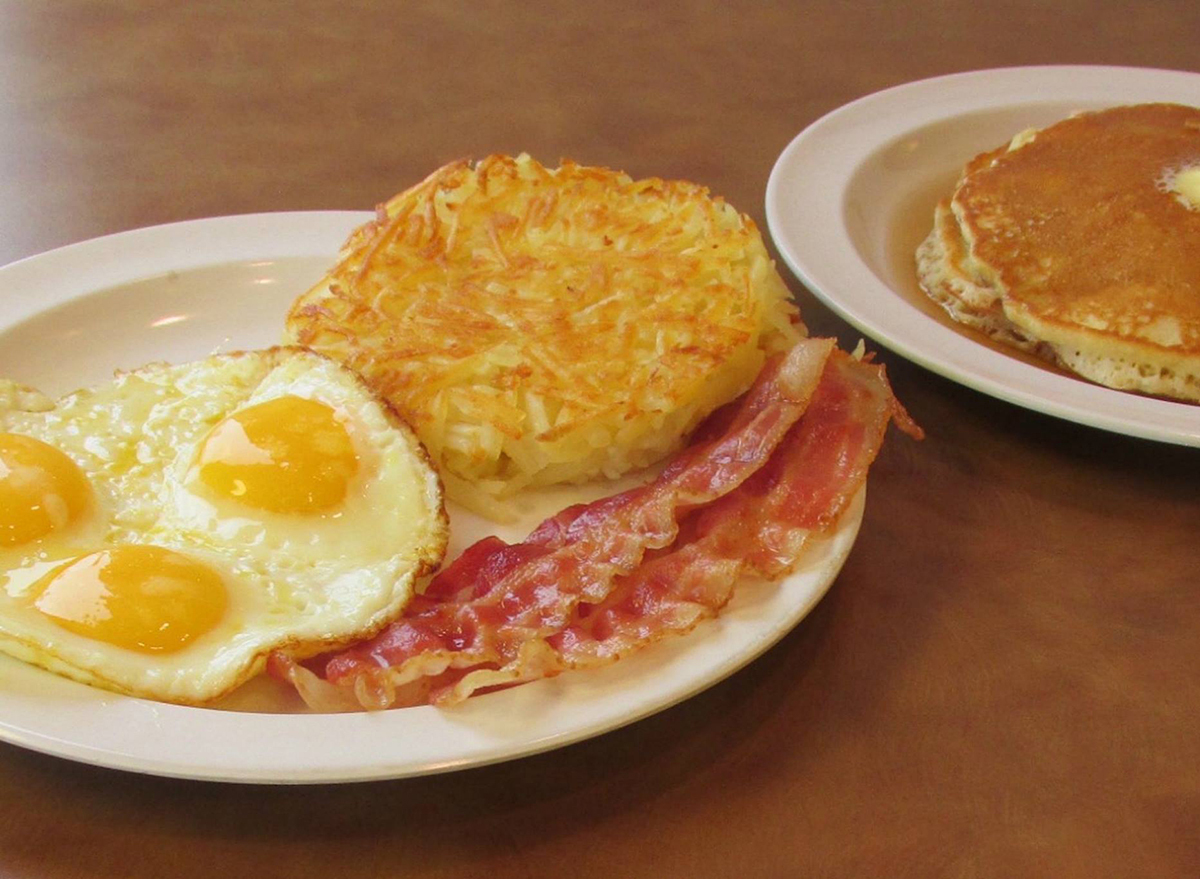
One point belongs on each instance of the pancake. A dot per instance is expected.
(539, 326)
(1080, 243)
(952, 279)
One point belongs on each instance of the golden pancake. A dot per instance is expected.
(951, 278)
(539, 326)
(1081, 242)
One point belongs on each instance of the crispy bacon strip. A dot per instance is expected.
(484, 620)
(760, 529)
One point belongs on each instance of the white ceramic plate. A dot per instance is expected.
(852, 196)
(183, 291)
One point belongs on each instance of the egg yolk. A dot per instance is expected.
(143, 598)
(287, 455)
(41, 489)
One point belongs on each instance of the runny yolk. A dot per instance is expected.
(143, 598)
(41, 489)
(287, 455)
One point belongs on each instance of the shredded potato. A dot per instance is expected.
(538, 326)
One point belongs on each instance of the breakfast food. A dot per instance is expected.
(172, 532)
(162, 533)
(600, 579)
(1080, 243)
(539, 326)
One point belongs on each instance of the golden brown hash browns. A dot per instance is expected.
(538, 326)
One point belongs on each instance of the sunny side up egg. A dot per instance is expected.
(161, 534)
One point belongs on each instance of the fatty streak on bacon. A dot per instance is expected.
(489, 613)
(760, 529)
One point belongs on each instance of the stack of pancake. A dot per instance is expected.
(1080, 243)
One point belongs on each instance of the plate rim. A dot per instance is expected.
(122, 258)
(887, 115)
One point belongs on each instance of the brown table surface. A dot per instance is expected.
(1002, 682)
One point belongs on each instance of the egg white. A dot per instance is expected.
(302, 582)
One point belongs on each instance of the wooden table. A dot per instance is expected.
(1002, 682)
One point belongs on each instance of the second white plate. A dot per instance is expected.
(852, 196)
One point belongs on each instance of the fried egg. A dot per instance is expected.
(161, 534)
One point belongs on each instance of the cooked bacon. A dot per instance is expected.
(761, 529)
(749, 430)
(601, 578)
(490, 611)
